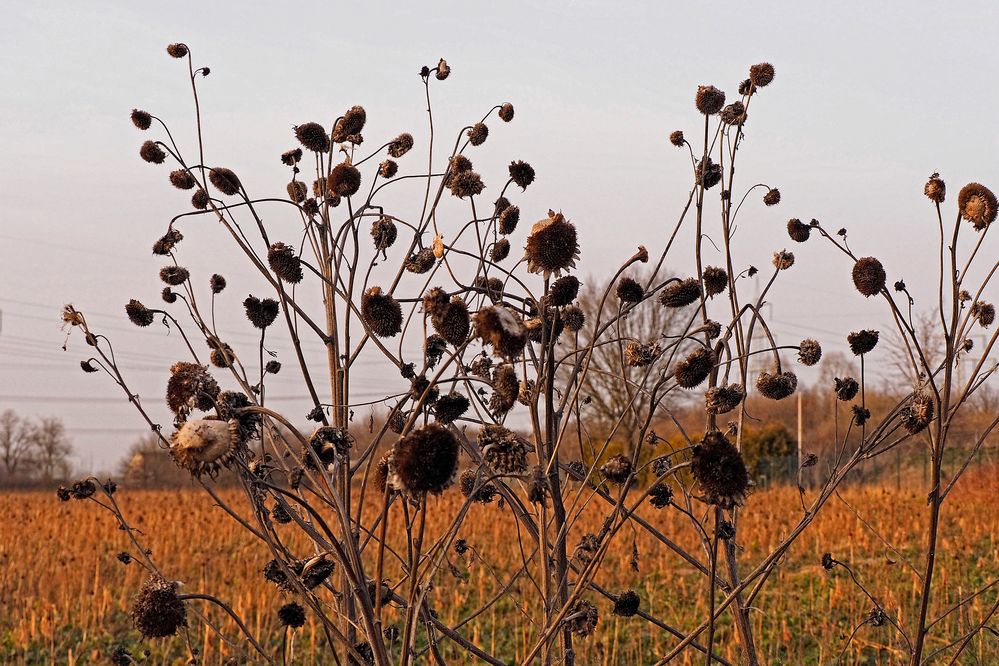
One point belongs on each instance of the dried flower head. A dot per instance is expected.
(466, 184)
(200, 199)
(285, 263)
(174, 275)
(400, 145)
(291, 615)
(313, 136)
(291, 157)
(977, 204)
(502, 329)
(629, 290)
(348, 128)
(707, 173)
(676, 138)
(734, 113)
(157, 610)
(222, 355)
(329, 443)
(918, 413)
(617, 469)
(508, 220)
(783, 260)
(681, 293)
(425, 461)
(505, 112)
(846, 389)
(344, 180)
(552, 246)
(869, 276)
(573, 318)
(723, 399)
(477, 134)
(203, 446)
(709, 100)
(984, 313)
(297, 191)
(861, 415)
(139, 314)
(809, 351)
(861, 342)
(762, 74)
(443, 70)
(384, 233)
(563, 291)
(720, 471)
(388, 169)
(177, 50)
(151, 152)
(141, 119)
(261, 312)
(503, 450)
(381, 312)
(450, 407)
(776, 385)
(190, 387)
(421, 262)
(182, 179)
(772, 197)
(167, 242)
(627, 603)
(451, 320)
(638, 355)
(484, 493)
(500, 251)
(935, 189)
(715, 280)
(521, 173)
(583, 618)
(506, 389)
(217, 283)
(694, 368)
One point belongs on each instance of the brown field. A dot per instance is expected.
(64, 597)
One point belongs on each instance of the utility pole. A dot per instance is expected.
(801, 428)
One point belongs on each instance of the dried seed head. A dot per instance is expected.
(846, 389)
(918, 413)
(484, 494)
(381, 312)
(506, 389)
(328, 443)
(291, 615)
(809, 351)
(421, 262)
(617, 469)
(583, 618)
(772, 197)
(762, 74)
(344, 180)
(261, 312)
(177, 50)
(157, 610)
(291, 157)
(552, 246)
(466, 184)
(450, 407)
(502, 329)
(629, 290)
(203, 446)
(424, 461)
(627, 603)
(861, 415)
(660, 495)
(500, 251)
(224, 180)
(503, 450)
(168, 295)
(200, 199)
(285, 263)
(783, 260)
(272, 367)
(869, 276)
(222, 355)
(776, 385)
(723, 399)
(443, 70)
(452, 322)
(734, 113)
(935, 189)
(505, 112)
(388, 169)
(297, 191)
(174, 275)
(707, 174)
(190, 387)
(977, 204)
(694, 368)
(521, 173)
(167, 242)
(508, 219)
(141, 119)
(348, 129)
(139, 314)
(709, 100)
(573, 318)
(798, 230)
(861, 342)
(715, 280)
(638, 355)
(676, 138)
(720, 471)
(217, 283)
(313, 137)
(182, 179)
(984, 313)
(152, 153)
(400, 145)
(563, 291)
(477, 134)
(681, 293)
(384, 233)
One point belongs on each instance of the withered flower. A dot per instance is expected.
(506, 389)
(798, 230)
(313, 136)
(762, 74)
(776, 385)
(723, 399)
(977, 204)
(477, 134)
(617, 469)
(502, 329)
(935, 189)
(693, 369)
(141, 119)
(139, 314)
(400, 145)
(381, 312)
(424, 461)
(552, 246)
(720, 471)
(203, 446)
(681, 293)
(182, 179)
(809, 351)
(709, 100)
(152, 153)
(224, 180)
(869, 276)
(261, 312)
(505, 112)
(157, 610)
(861, 342)
(521, 173)
(285, 263)
(344, 180)
(715, 280)
(772, 197)
(846, 389)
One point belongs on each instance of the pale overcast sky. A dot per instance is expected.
(869, 99)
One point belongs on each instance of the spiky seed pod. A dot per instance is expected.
(862, 342)
(421, 262)
(712, 328)
(425, 461)
(846, 389)
(583, 618)
(977, 204)
(423, 390)
(505, 112)
(291, 615)
(709, 100)
(503, 450)
(384, 233)
(485, 494)
(174, 275)
(563, 291)
(587, 548)
(315, 571)
(388, 169)
(261, 312)
(506, 389)
(723, 399)
(500, 205)
(508, 219)
(285, 263)
(458, 164)
(762, 74)
(715, 280)
(869, 276)
(783, 260)
(500, 251)
(280, 515)
(182, 179)
(552, 246)
(297, 191)
(918, 413)
(809, 351)
(629, 290)
(772, 197)
(503, 330)
(168, 295)
(167, 242)
(224, 180)
(477, 134)
(694, 368)
(798, 230)
(190, 387)
(466, 184)
(348, 128)
(152, 153)
(291, 157)
(158, 611)
(861, 415)
(935, 189)
(381, 312)
(536, 326)
(734, 113)
(203, 446)
(680, 294)
(521, 173)
(310, 207)
(435, 301)
(329, 443)
(221, 355)
(720, 472)
(776, 385)
(573, 318)
(617, 469)
(344, 180)
(272, 367)
(638, 355)
(313, 137)
(141, 119)
(139, 314)
(217, 283)
(177, 50)
(433, 349)
(443, 70)
(660, 495)
(707, 174)
(984, 313)
(676, 138)
(200, 199)
(400, 145)
(627, 603)
(450, 407)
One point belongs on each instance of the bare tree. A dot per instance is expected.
(15, 444)
(50, 447)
